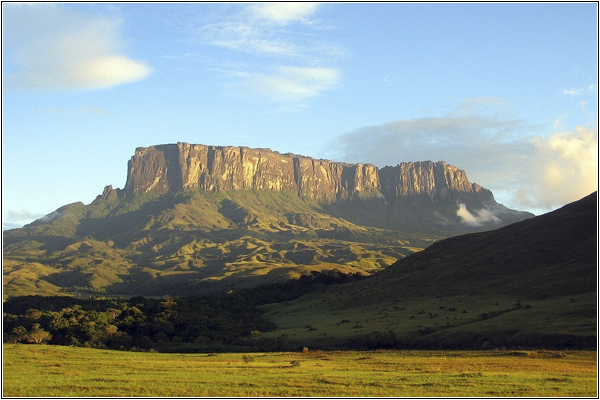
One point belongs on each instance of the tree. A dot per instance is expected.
(20, 332)
(38, 335)
(119, 340)
(143, 342)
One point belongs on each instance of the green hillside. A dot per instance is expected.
(532, 283)
(196, 242)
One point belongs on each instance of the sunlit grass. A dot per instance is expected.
(50, 371)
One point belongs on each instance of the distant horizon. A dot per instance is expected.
(507, 92)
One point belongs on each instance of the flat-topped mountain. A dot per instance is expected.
(184, 167)
(195, 218)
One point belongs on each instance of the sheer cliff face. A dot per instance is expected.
(426, 178)
(183, 166)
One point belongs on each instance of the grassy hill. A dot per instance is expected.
(196, 242)
(532, 283)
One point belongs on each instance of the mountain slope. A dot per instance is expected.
(193, 219)
(552, 254)
(532, 283)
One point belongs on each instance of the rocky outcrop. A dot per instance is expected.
(184, 167)
(109, 194)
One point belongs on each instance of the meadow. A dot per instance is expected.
(59, 371)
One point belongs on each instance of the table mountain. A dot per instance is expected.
(194, 218)
(183, 167)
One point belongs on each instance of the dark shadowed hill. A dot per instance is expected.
(549, 255)
(531, 284)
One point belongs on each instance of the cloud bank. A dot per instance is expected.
(567, 167)
(50, 48)
(524, 167)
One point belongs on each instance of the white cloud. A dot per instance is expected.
(51, 48)
(283, 13)
(283, 60)
(567, 167)
(589, 89)
(248, 38)
(479, 217)
(16, 219)
(290, 84)
(261, 30)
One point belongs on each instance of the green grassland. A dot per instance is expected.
(339, 319)
(53, 371)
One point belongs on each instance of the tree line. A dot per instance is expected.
(208, 323)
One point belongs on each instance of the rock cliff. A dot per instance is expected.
(184, 167)
(425, 178)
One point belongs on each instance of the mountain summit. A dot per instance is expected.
(196, 218)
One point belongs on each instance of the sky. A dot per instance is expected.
(507, 92)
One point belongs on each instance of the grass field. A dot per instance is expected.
(53, 371)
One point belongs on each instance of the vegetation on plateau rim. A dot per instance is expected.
(59, 371)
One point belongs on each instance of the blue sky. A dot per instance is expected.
(508, 92)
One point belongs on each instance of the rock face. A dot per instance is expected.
(183, 167)
(109, 193)
(426, 178)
